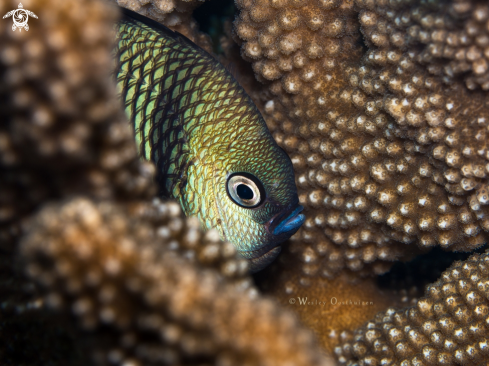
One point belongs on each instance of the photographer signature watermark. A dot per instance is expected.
(20, 17)
(331, 302)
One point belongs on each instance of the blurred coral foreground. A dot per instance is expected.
(383, 108)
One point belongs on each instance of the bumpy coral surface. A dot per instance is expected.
(61, 127)
(164, 296)
(333, 308)
(386, 152)
(175, 14)
(401, 158)
(61, 132)
(108, 279)
(454, 36)
(446, 327)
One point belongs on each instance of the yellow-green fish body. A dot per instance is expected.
(211, 146)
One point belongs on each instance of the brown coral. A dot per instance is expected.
(110, 277)
(153, 295)
(386, 154)
(62, 130)
(319, 250)
(454, 35)
(446, 327)
(333, 308)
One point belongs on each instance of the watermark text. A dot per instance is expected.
(333, 301)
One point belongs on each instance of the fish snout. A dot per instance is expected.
(286, 222)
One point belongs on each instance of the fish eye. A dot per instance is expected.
(245, 190)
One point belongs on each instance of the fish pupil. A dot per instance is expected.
(244, 192)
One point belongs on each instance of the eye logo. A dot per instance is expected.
(20, 17)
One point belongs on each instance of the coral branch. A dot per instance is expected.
(453, 37)
(164, 295)
(446, 327)
(386, 153)
(108, 278)
(62, 130)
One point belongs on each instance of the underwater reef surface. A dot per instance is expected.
(382, 107)
(447, 326)
(388, 144)
(93, 269)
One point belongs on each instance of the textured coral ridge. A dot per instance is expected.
(110, 277)
(454, 35)
(153, 289)
(388, 150)
(446, 327)
(61, 132)
(333, 308)
(175, 14)
(61, 127)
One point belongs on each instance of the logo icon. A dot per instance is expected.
(20, 17)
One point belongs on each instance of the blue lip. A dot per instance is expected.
(291, 222)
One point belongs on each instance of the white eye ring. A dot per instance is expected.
(245, 190)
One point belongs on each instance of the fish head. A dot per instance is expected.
(256, 198)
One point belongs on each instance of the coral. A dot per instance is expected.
(162, 295)
(423, 270)
(108, 277)
(446, 327)
(454, 35)
(239, 68)
(333, 308)
(113, 277)
(386, 153)
(175, 14)
(62, 130)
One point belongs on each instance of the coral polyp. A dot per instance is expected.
(175, 14)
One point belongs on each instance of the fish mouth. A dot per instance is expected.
(261, 257)
(286, 221)
(282, 225)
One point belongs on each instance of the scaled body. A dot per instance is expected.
(211, 146)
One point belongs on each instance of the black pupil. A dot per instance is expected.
(244, 192)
